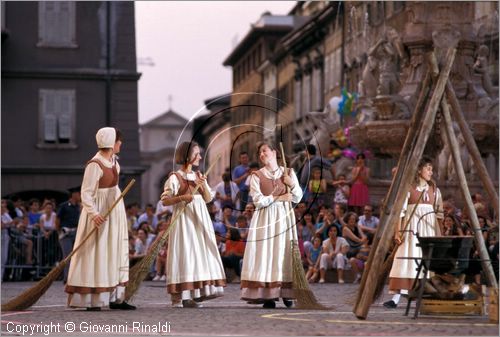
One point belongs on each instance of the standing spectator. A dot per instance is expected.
(7, 223)
(66, 224)
(359, 191)
(251, 169)
(19, 205)
(98, 273)
(312, 160)
(333, 255)
(240, 174)
(50, 243)
(368, 223)
(227, 193)
(317, 189)
(149, 217)
(34, 213)
(342, 190)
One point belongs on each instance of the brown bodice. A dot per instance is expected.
(186, 186)
(271, 186)
(109, 174)
(414, 195)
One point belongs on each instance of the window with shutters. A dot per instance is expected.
(57, 24)
(57, 118)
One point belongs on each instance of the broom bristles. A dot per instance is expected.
(140, 270)
(30, 296)
(305, 296)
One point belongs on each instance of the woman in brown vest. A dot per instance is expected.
(425, 206)
(194, 268)
(267, 263)
(98, 272)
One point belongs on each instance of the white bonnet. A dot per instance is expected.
(106, 137)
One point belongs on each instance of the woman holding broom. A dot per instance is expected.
(267, 263)
(194, 268)
(422, 212)
(98, 271)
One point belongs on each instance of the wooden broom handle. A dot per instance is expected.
(108, 212)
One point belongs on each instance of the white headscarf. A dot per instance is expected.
(106, 137)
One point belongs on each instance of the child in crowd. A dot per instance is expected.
(342, 190)
(313, 260)
(317, 188)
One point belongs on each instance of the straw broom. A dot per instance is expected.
(305, 297)
(387, 266)
(141, 269)
(33, 294)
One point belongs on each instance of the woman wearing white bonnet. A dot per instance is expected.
(98, 272)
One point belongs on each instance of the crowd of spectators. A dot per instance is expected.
(333, 232)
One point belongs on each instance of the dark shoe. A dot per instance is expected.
(94, 309)
(390, 304)
(121, 306)
(270, 304)
(288, 303)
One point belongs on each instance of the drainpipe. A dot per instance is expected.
(108, 63)
(342, 56)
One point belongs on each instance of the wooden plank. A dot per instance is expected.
(407, 149)
(472, 148)
(378, 255)
(454, 307)
(457, 161)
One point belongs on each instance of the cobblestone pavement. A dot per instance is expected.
(230, 316)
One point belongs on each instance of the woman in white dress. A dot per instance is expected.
(425, 207)
(98, 271)
(267, 264)
(194, 268)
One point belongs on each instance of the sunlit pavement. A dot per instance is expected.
(230, 316)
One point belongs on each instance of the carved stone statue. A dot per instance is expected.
(481, 67)
(367, 87)
(387, 59)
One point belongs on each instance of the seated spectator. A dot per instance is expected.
(233, 254)
(353, 234)
(140, 247)
(342, 190)
(451, 226)
(219, 226)
(163, 211)
(358, 262)
(242, 226)
(313, 260)
(339, 213)
(149, 217)
(328, 221)
(228, 219)
(333, 255)
(248, 212)
(221, 246)
(161, 259)
(368, 223)
(308, 231)
(132, 210)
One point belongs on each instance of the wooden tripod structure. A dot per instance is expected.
(435, 92)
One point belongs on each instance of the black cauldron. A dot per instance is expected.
(446, 254)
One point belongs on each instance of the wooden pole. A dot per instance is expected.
(378, 255)
(472, 147)
(408, 146)
(455, 153)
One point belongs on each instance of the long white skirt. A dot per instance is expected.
(194, 266)
(404, 270)
(267, 263)
(99, 270)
